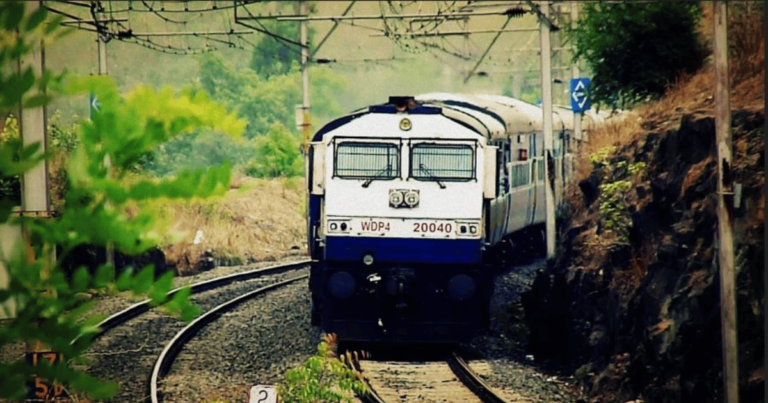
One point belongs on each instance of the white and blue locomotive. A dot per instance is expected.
(408, 202)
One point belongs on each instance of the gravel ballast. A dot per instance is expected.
(498, 355)
(127, 353)
(253, 344)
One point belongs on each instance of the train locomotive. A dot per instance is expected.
(411, 201)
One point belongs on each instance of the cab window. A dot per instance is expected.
(367, 160)
(449, 162)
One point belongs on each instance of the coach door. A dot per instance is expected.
(532, 153)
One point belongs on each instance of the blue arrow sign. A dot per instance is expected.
(579, 100)
(93, 105)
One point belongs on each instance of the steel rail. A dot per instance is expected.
(172, 349)
(371, 396)
(144, 306)
(472, 381)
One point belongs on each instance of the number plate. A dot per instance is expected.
(433, 227)
(401, 228)
(41, 390)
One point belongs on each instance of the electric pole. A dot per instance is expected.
(102, 54)
(305, 124)
(725, 200)
(35, 198)
(546, 100)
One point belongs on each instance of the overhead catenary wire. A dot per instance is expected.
(404, 28)
(214, 7)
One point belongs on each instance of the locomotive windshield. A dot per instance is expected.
(449, 162)
(367, 160)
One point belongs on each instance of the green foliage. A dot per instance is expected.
(95, 207)
(274, 56)
(23, 86)
(530, 87)
(62, 137)
(202, 149)
(613, 203)
(267, 103)
(637, 49)
(264, 95)
(278, 155)
(322, 378)
(10, 186)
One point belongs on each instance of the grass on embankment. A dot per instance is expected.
(256, 220)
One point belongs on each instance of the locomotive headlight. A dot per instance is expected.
(461, 287)
(341, 285)
(338, 226)
(395, 198)
(368, 260)
(468, 229)
(412, 198)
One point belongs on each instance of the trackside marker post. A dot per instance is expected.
(263, 394)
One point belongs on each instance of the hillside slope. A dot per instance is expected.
(631, 304)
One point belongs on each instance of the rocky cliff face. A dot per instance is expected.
(642, 318)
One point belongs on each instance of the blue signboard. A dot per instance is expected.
(579, 100)
(93, 105)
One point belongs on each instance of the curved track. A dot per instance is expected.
(172, 349)
(140, 321)
(144, 306)
(450, 380)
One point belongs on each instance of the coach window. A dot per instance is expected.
(356, 160)
(449, 162)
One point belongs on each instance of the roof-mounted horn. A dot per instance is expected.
(402, 103)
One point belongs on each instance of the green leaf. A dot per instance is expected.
(124, 280)
(6, 208)
(80, 279)
(13, 12)
(143, 281)
(80, 310)
(97, 388)
(37, 100)
(161, 287)
(54, 24)
(105, 274)
(36, 18)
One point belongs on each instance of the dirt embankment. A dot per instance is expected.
(631, 305)
(257, 220)
(643, 318)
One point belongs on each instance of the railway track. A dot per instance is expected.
(131, 339)
(170, 352)
(205, 360)
(144, 306)
(451, 380)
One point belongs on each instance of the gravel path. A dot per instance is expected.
(253, 344)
